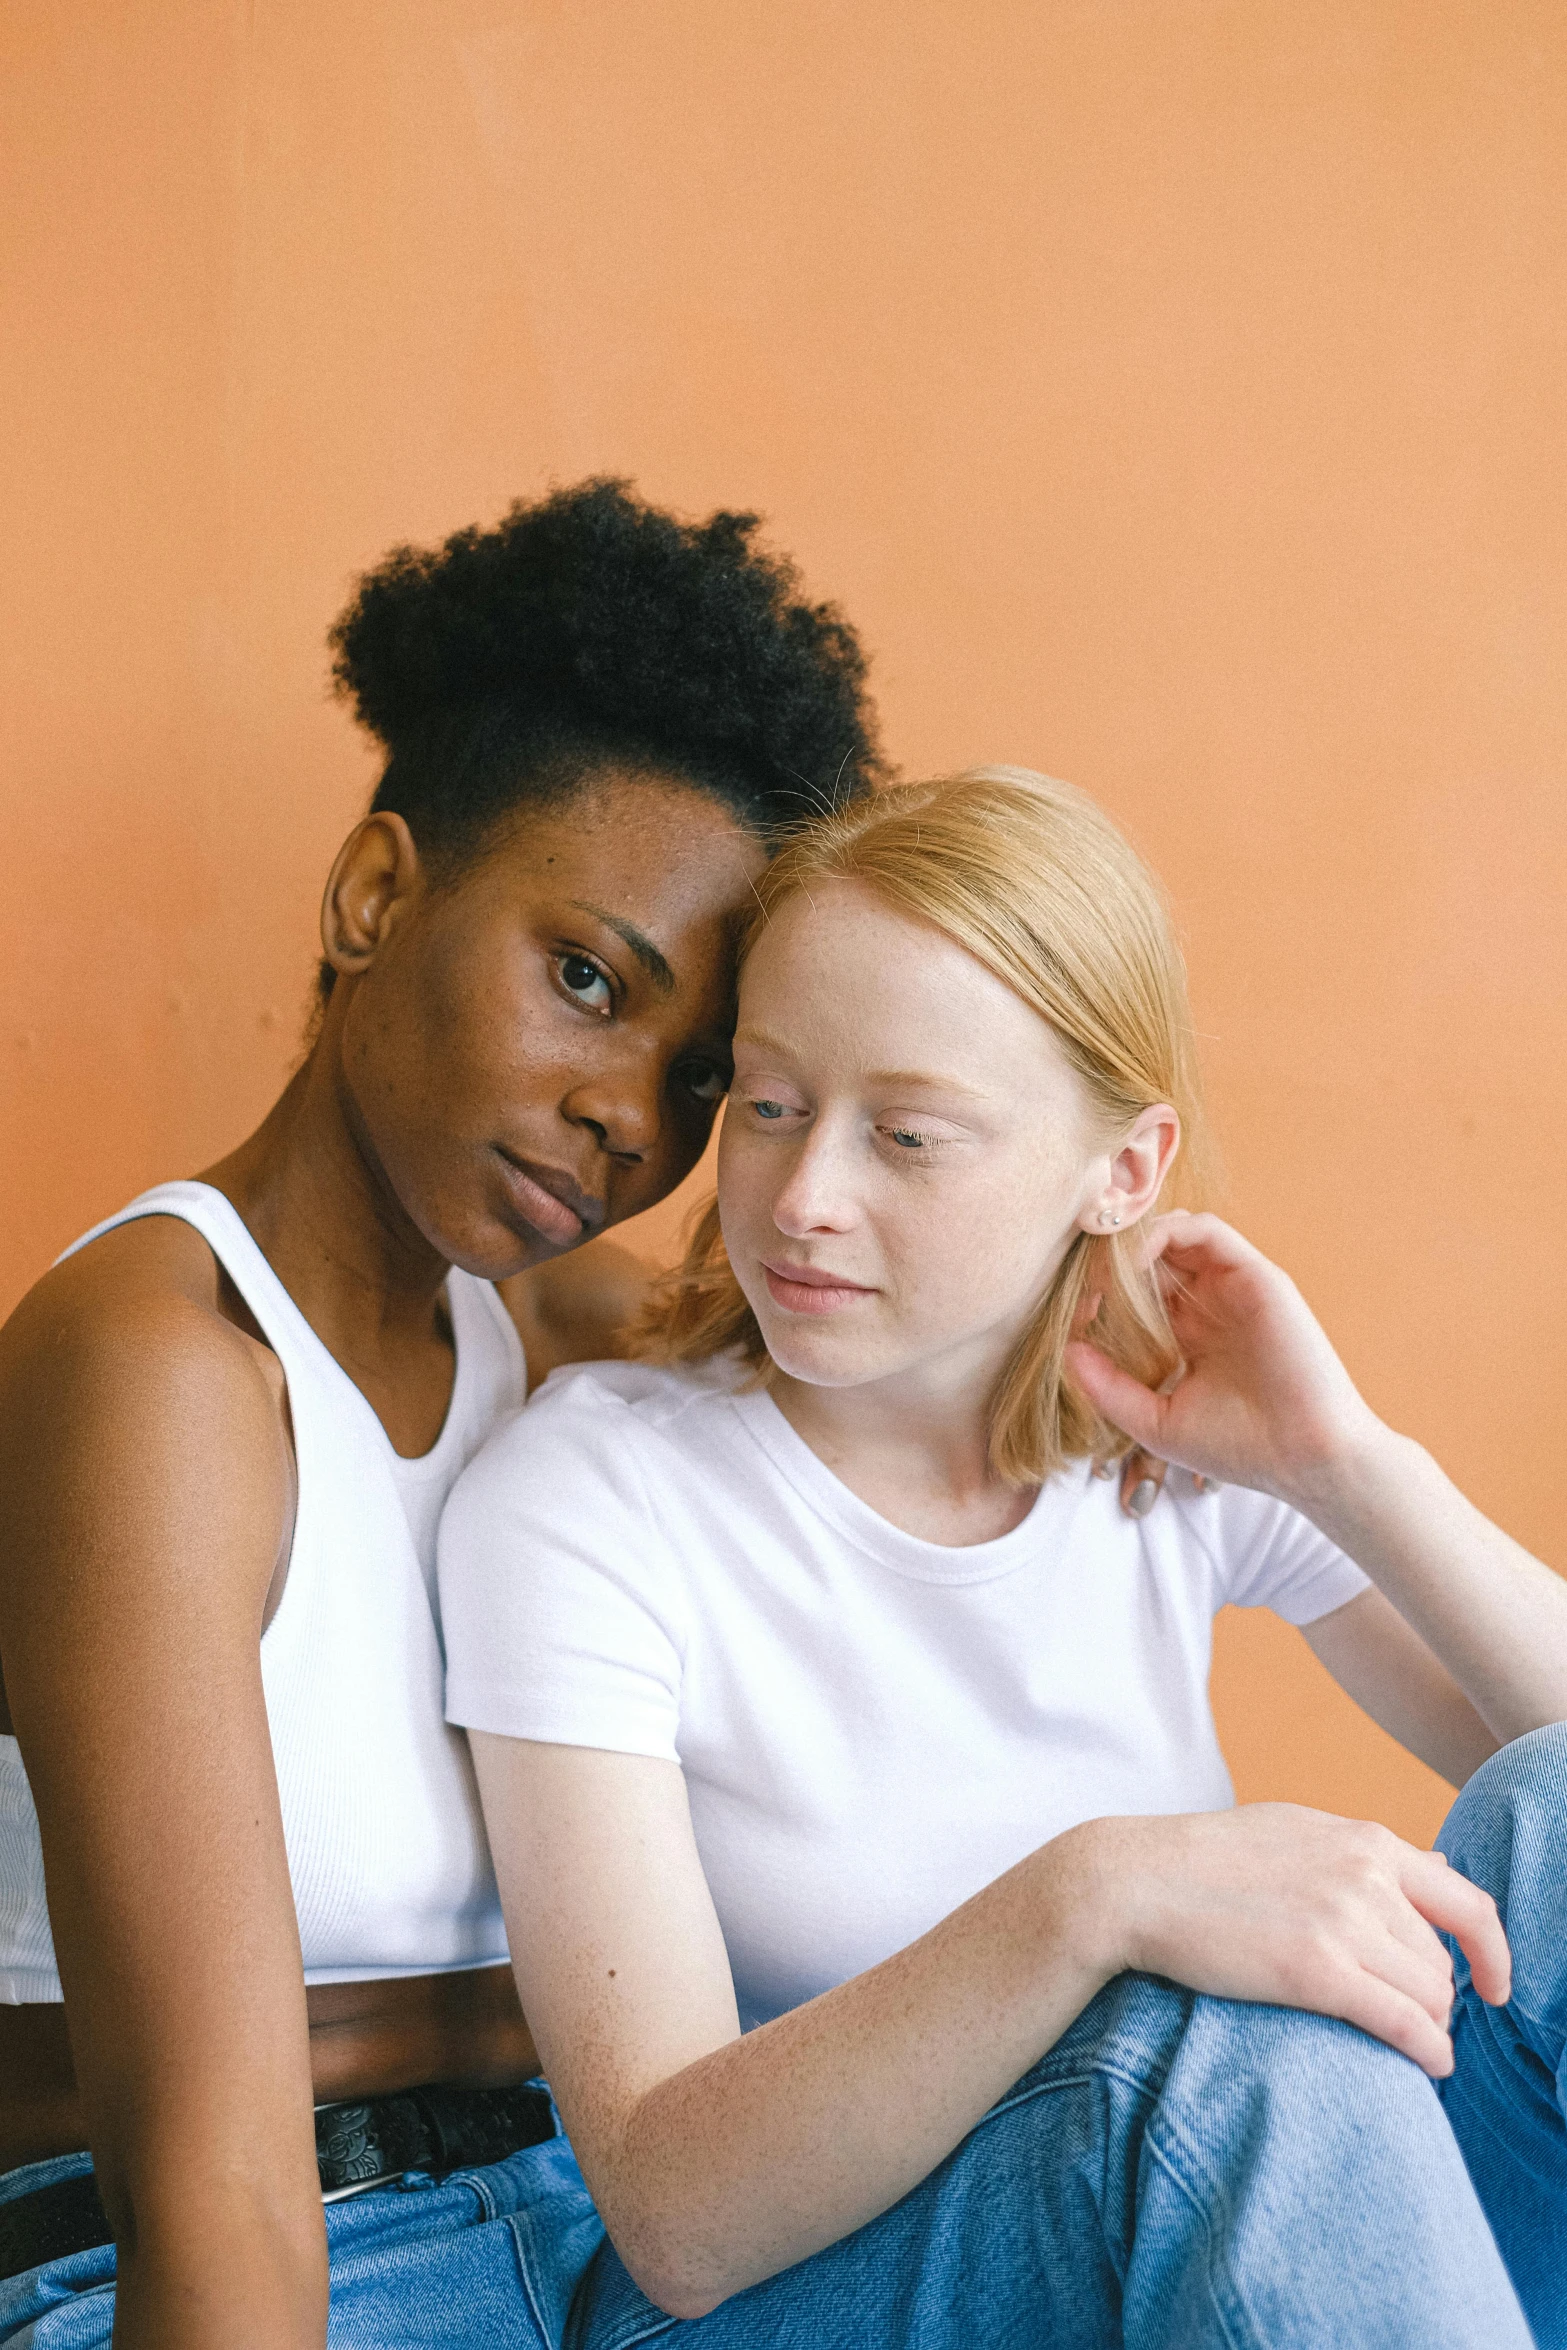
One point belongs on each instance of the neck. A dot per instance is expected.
(328, 1222)
(915, 1446)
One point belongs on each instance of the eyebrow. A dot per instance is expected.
(641, 946)
(931, 1080)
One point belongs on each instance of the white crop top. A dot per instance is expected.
(386, 1848)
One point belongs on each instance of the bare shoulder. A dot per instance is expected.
(145, 1462)
(147, 1314)
(577, 1308)
(142, 1431)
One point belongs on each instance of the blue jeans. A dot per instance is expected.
(483, 2260)
(1506, 2098)
(1176, 2174)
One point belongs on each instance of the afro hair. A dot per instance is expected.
(587, 629)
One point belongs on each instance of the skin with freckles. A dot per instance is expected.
(896, 1216)
(514, 1056)
(905, 1157)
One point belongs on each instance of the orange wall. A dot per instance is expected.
(1172, 389)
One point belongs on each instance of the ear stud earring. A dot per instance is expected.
(1107, 1219)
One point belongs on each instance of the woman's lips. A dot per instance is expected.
(805, 1289)
(549, 1216)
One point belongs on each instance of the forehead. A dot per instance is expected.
(838, 970)
(646, 849)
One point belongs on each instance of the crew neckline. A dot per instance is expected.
(1046, 1527)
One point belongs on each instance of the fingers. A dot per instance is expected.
(1430, 1897)
(1132, 1407)
(1142, 1479)
(1123, 1400)
(1206, 1271)
(1088, 1308)
(1181, 1237)
(1461, 1909)
(1420, 1969)
(1390, 2015)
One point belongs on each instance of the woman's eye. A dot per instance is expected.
(768, 1109)
(581, 979)
(705, 1084)
(907, 1138)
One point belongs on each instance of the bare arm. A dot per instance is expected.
(148, 1492)
(1383, 1664)
(575, 1308)
(1494, 1616)
(718, 2159)
(1266, 1402)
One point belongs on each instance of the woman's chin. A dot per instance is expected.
(820, 1357)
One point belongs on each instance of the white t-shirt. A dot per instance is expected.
(872, 1727)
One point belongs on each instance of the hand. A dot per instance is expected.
(1142, 1476)
(1264, 1400)
(1301, 1909)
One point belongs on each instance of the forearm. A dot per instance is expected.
(216, 2208)
(227, 2279)
(791, 2137)
(1493, 1615)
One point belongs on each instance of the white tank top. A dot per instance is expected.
(386, 1848)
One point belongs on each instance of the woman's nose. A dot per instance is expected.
(813, 1197)
(622, 1116)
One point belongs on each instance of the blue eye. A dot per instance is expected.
(768, 1109)
(580, 978)
(906, 1138)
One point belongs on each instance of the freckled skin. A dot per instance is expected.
(903, 1121)
(952, 1193)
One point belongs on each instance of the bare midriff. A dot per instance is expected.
(366, 2039)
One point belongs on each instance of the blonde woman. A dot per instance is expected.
(903, 1969)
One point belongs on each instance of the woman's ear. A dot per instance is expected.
(376, 875)
(1136, 1172)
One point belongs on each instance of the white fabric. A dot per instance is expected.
(386, 1848)
(871, 1727)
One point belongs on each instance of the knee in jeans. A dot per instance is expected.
(1505, 1830)
(1527, 1771)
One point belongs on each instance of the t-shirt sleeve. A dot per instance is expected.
(1270, 1556)
(561, 1609)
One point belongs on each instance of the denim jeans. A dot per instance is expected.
(482, 2260)
(1177, 2173)
(1507, 2095)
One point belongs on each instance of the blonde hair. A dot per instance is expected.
(1035, 882)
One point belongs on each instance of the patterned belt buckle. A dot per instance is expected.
(360, 2187)
(364, 2141)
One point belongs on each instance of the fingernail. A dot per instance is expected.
(1207, 1484)
(1105, 1469)
(1142, 1497)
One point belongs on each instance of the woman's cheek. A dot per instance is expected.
(979, 1239)
(743, 1194)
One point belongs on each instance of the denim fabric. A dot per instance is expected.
(485, 2260)
(1507, 2097)
(1176, 2174)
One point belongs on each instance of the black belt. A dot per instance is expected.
(438, 2130)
